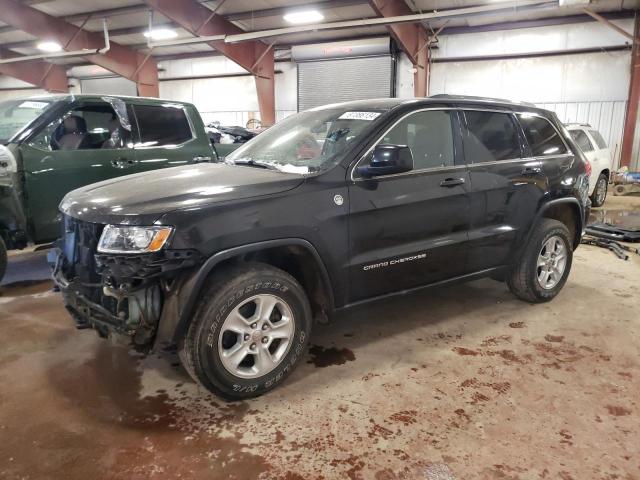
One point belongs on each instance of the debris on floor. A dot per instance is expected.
(625, 182)
(617, 248)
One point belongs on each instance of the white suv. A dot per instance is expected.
(598, 154)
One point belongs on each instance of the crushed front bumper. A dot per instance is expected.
(122, 294)
(85, 313)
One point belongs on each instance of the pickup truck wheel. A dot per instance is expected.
(600, 192)
(250, 331)
(544, 266)
(3, 258)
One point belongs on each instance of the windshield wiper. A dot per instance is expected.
(256, 164)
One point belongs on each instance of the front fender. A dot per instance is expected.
(180, 306)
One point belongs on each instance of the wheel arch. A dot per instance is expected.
(566, 211)
(296, 256)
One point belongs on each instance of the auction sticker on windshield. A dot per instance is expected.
(359, 116)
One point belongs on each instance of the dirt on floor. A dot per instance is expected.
(462, 382)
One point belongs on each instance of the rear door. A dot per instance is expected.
(506, 185)
(603, 152)
(82, 146)
(168, 135)
(410, 229)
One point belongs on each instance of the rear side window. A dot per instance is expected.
(490, 136)
(429, 136)
(582, 140)
(162, 125)
(543, 138)
(598, 138)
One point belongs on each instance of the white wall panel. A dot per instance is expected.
(606, 117)
(108, 86)
(229, 100)
(590, 88)
(11, 94)
(404, 76)
(531, 40)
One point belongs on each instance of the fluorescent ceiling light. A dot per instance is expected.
(161, 34)
(307, 16)
(49, 47)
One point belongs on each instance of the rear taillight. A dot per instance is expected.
(587, 166)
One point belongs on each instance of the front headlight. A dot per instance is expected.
(115, 239)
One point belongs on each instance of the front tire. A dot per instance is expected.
(544, 266)
(600, 192)
(250, 331)
(3, 258)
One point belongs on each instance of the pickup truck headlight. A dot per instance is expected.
(115, 239)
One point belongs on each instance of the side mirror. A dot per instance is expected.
(387, 160)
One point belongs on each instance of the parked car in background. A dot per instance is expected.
(598, 153)
(51, 145)
(327, 210)
(225, 139)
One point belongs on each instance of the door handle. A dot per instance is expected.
(452, 182)
(531, 170)
(122, 162)
(201, 159)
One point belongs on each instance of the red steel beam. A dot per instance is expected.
(255, 57)
(119, 59)
(412, 38)
(631, 117)
(40, 73)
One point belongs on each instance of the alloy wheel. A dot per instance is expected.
(256, 336)
(552, 261)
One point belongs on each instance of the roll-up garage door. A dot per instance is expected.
(340, 80)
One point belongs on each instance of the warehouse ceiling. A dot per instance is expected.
(128, 20)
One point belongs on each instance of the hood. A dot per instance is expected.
(142, 198)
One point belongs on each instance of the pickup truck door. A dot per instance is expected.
(410, 229)
(82, 146)
(168, 135)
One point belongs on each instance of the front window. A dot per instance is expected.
(428, 134)
(93, 126)
(17, 114)
(310, 141)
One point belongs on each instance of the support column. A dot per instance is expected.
(421, 77)
(631, 117)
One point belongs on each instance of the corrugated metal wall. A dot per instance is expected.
(606, 117)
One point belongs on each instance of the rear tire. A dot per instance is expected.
(544, 266)
(3, 258)
(250, 330)
(599, 194)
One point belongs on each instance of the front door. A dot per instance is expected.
(85, 145)
(410, 229)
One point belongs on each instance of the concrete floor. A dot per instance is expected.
(462, 382)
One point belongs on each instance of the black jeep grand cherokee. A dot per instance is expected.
(330, 208)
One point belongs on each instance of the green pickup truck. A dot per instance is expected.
(54, 144)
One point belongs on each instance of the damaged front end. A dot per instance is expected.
(115, 292)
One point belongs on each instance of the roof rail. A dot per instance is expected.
(485, 99)
(579, 124)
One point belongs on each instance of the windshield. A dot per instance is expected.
(16, 114)
(310, 141)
